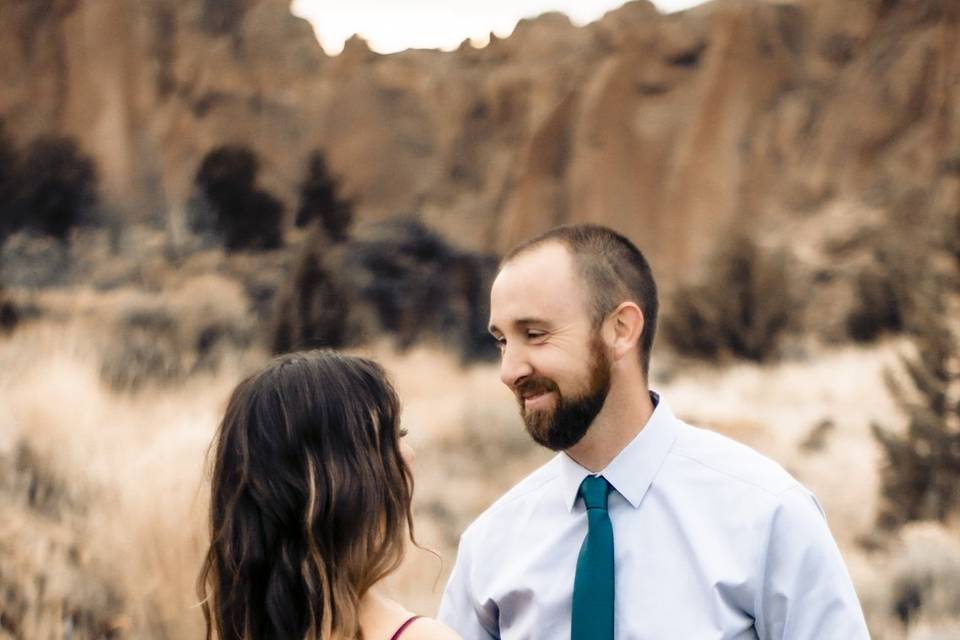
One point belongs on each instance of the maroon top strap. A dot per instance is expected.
(403, 627)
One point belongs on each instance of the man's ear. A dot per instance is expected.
(625, 327)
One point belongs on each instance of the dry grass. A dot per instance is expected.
(123, 544)
(913, 592)
(132, 466)
(775, 408)
(102, 495)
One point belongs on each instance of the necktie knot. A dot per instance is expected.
(594, 491)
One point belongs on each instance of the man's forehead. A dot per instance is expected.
(541, 266)
(538, 283)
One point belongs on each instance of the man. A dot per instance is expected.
(642, 526)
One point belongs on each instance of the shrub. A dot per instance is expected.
(818, 437)
(878, 307)
(312, 310)
(35, 484)
(742, 307)
(884, 292)
(202, 325)
(320, 201)
(50, 189)
(952, 235)
(220, 18)
(47, 588)
(145, 349)
(925, 584)
(29, 259)
(8, 177)
(920, 478)
(400, 278)
(227, 172)
(59, 185)
(421, 287)
(244, 216)
(255, 224)
(9, 316)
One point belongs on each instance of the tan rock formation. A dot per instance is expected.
(666, 127)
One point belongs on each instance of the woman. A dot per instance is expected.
(310, 506)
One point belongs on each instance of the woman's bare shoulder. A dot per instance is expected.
(428, 629)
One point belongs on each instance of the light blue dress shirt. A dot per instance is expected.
(712, 541)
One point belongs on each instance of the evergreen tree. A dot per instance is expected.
(319, 200)
(921, 475)
(9, 316)
(51, 188)
(953, 236)
(245, 217)
(742, 307)
(885, 292)
(8, 172)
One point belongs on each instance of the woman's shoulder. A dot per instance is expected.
(381, 617)
(428, 629)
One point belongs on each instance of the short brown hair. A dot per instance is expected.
(613, 269)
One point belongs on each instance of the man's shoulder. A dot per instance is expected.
(729, 461)
(522, 497)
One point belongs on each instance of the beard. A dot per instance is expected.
(567, 422)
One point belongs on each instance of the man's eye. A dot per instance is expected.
(535, 335)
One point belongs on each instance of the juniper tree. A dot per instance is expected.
(245, 216)
(320, 200)
(8, 169)
(743, 306)
(885, 291)
(920, 478)
(58, 185)
(50, 188)
(401, 278)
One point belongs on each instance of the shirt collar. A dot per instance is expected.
(632, 471)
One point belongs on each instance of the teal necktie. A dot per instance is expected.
(593, 584)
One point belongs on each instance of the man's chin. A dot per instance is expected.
(544, 432)
(537, 421)
(538, 424)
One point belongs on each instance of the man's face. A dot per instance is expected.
(552, 357)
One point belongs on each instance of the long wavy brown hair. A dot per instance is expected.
(310, 500)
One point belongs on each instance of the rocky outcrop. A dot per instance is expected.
(147, 88)
(666, 127)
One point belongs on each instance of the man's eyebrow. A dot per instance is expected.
(523, 322)
(520, 323)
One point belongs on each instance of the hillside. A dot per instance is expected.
(666, 127)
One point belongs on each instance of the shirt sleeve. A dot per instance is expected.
(806, 592)
(459, 608)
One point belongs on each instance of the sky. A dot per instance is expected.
(392, 25)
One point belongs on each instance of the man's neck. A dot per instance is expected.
(625, 413)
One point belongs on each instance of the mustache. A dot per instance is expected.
(534, 385)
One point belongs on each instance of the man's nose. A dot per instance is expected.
(513, 365)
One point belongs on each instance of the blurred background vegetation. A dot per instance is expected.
(188, 187)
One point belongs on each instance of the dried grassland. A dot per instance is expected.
(102, 491)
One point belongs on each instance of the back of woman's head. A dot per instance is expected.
(310, 500)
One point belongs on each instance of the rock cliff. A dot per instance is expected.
(666, 127)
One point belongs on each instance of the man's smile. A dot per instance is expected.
(535, 399)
